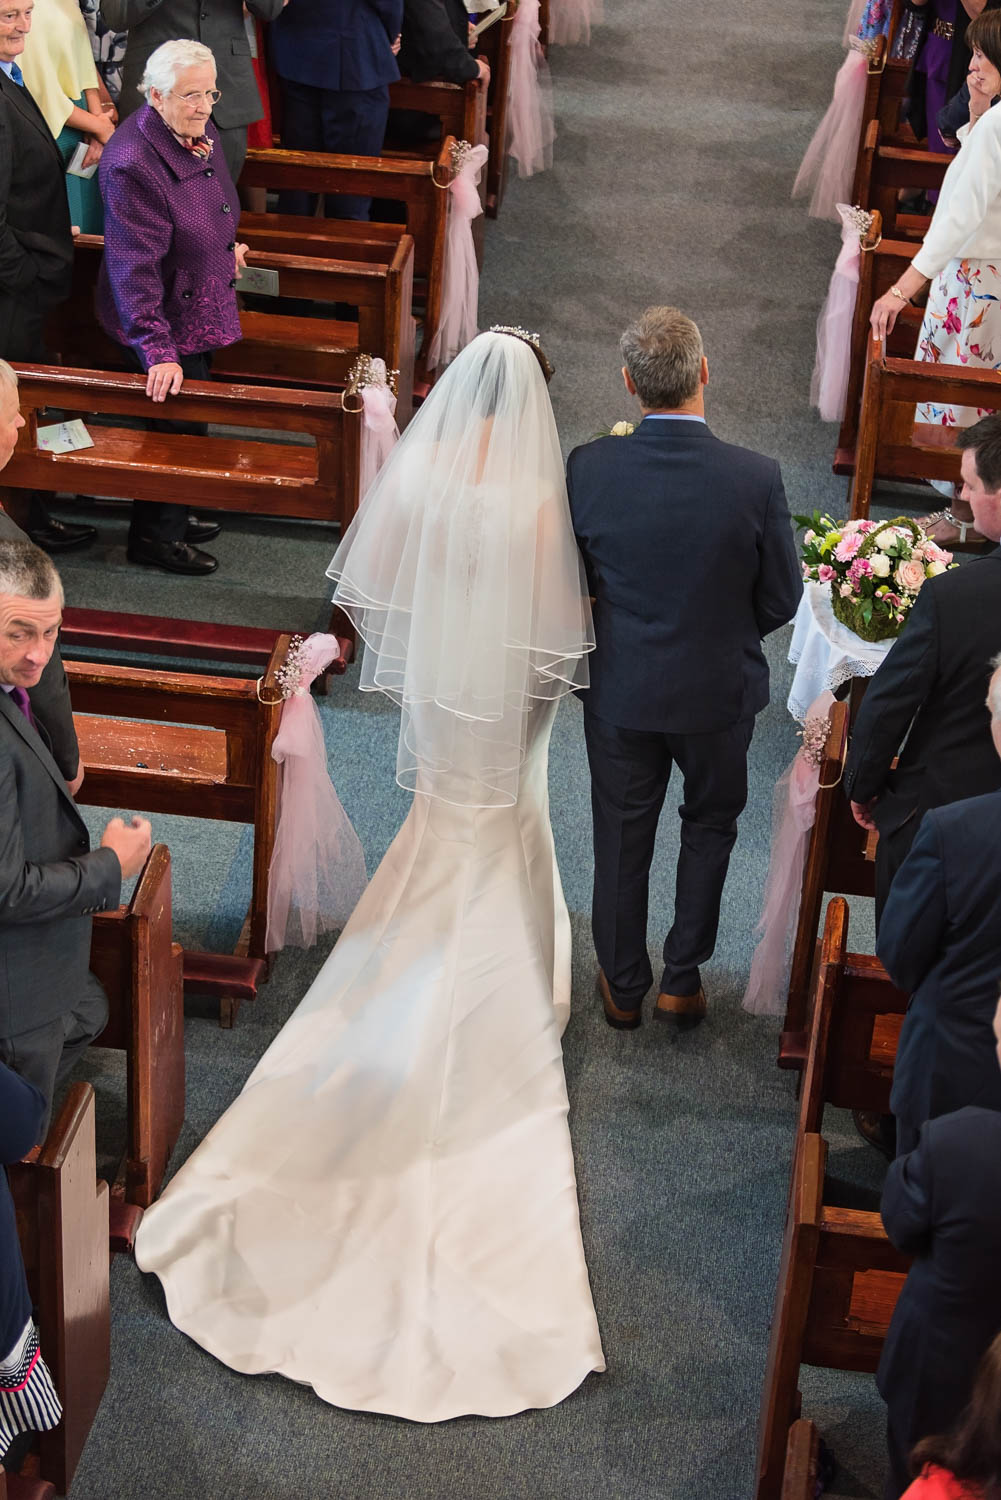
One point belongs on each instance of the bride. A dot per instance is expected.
(388, 1211)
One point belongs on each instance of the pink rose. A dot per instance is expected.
(848, 546)
(825, 572)
(845, 590)
(934, 553)
(910, 575)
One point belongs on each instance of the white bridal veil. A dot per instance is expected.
(463, 578)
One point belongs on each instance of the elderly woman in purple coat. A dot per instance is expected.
(167, 286)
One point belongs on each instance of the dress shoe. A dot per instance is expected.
(201, 531)
(877, 1130)
(684, 1010)
(173, 557)
(622, 1020)
(61, 536)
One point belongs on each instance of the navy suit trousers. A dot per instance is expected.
(351, 123)
(630, 771)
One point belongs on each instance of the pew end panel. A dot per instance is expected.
(62, 1213)
(801, 1476)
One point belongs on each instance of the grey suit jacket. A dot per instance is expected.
(50, 700)
(218, 24)
(50, 882)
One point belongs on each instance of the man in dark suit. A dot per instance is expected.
(932, 686)
(36, 243)
(689, 553)
(436, 43)
(219, 25)
(50, 698)
(941, 1203)
(940, 938)
(336, 60)
(51, 883)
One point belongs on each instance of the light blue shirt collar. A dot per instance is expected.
(673, 416)
(6, 67)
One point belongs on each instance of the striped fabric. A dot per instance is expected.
(28, 1400)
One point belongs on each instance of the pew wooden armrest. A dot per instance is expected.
(802, 1463)
(156, 635)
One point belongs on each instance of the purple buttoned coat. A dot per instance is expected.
(167, 281)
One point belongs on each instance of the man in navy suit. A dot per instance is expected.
(942, 1203)
(336, 60)
(690, 557)
(940, 938)
(931, 687)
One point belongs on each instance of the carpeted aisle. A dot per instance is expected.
(679, 134)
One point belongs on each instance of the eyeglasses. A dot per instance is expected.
(192, 100)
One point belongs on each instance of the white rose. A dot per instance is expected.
(622, 429)
(808, 537)
(934, 569)
(885, 540)
(880, 564)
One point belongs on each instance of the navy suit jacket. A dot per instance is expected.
(22, 1110)
(936, 675)
(942, 1203)
(940, 938)
(689, 553)
(337, 44)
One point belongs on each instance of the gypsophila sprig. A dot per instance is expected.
(875, 569)
(288, 678)
(814, 737)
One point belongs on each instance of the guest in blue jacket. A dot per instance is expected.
(336, 60)
(940, 938)
(28, 1401)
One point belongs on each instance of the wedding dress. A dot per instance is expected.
(388, 1211)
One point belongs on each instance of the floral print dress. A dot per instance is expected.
(962, 326)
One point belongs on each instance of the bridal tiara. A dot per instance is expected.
(532, 340)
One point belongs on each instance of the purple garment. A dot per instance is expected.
(167, 280)
(936, 55)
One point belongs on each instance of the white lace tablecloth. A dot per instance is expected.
(825, 652)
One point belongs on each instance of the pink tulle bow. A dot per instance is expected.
(795, 808)
(317, 869)
(531, 131)
(832, 366)
(379, 433)
(461, 291)
(828, 166)
(570, 21)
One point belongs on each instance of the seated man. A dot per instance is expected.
(940, 938)
(942, 1203)
(436, 42)
(51, 883)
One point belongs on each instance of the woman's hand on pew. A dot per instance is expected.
(163, 381)
(886, 309)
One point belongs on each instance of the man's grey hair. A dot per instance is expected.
(662, 350)
(169, 59)
(27, 572)
(8, 376)
(994, 689)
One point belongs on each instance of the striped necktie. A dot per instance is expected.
(17, 75)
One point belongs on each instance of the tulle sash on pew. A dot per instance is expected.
(531, 131)
(829, 384)
(317, 870)
(828, 168)
(570, 21)
(461, 289)
(794, 810)
(370, 381)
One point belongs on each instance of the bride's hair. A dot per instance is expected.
(532, 340)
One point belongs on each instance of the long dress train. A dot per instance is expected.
(388, 1211)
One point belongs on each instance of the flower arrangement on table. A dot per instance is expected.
(875, 569)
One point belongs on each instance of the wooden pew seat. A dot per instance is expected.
(62, 1220)
(156, 635)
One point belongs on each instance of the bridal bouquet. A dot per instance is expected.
(876, 569)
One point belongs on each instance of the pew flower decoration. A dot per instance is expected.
(875, 569)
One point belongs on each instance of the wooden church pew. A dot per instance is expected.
(837, 861)
(885, 170)
(25, 1487)
(135, 958)
(461, 108)
(838, 1283)
(62, 1220)
(194, 746)
(277, 346)
(801, 1475)
(315, 480)
(890, 443)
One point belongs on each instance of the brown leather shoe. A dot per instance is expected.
(622, 1020)
(684, 1010)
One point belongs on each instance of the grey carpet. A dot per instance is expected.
(679, 134)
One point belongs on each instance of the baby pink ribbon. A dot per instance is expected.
(570, 21)
(317, 869)
(379, 433)
(461, 291)
(795, 808)
(829, 385)
(531, 131)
